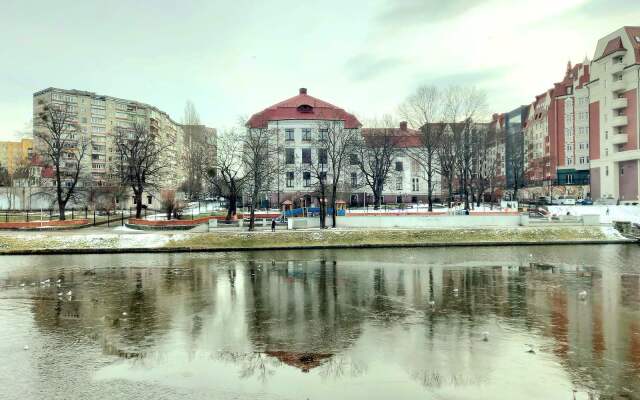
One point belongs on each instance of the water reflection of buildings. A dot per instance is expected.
(339, 317)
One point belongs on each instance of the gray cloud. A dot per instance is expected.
(365, 66)
(413, 12)
(473, 77)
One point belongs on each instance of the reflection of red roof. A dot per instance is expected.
(303, 107)
(304, 361)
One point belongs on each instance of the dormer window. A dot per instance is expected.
(305, 108)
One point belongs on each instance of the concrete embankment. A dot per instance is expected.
(49, 243)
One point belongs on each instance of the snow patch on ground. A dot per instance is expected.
(615, 213)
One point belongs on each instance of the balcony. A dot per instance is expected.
(617, 68)
(619, 103)
(619, 120)
(619, 138)
(618, 86)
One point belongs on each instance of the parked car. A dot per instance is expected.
(544, 200)
(584, 202)
(566, 201)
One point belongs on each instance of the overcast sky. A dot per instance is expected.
(234, 58)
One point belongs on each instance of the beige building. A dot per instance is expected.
(98, 117)
(13, 153)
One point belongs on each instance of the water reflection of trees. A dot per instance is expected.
(295, 308)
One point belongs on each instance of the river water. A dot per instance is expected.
(461, 323)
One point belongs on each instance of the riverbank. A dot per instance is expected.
(127, 242)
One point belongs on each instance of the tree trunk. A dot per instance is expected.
(430, 192)
(252, 217)
(231, 209)
(334, 212)
(138, 197)
(61, 207)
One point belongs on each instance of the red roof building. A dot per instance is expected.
(303, 107)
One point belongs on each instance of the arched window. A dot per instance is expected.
(305, 108)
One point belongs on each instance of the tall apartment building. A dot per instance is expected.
(496, 159)
(98, 117)
(514, 124)
(537, 141)
(570, 149)
(614, 133)
(13, 153)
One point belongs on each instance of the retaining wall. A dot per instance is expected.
(56, 224)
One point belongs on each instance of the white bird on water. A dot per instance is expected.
(485, 336)
(69, 293)
(124, 314)
(22, 285)
(582, 295)
(432, 303)
(26, 347)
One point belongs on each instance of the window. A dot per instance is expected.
(621, 170)
(398, 165)
(323, 176)
(354, 179)
(569, 179)
(288, 133)
(606, 171)
(306, 156)
(290, 156)
(323, 133)
(415, 184)
(100, 121)
(306, 134)
(399, 183)
(290, 179)
(306, 178)
(322, 156)
(353, 159)
(149, 199)
(398, 199)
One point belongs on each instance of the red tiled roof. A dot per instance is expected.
(402, 138)
(303, 107)
(614, 45)
(634, 32)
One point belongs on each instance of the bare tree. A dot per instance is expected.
(425, 110)
(515, 163)
(462, 106)
(227, 178)
(63, 147)
(374, 152)
(260, 154)
(338, 143)
(140, 165)
(199, 151)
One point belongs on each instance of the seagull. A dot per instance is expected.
(26, 347)
(485, 336)
(432, 303)
(531, 350)
(455, 289)
(69, 293)
(124, 314)
(59, 280)
(582, 295)
(22, 285)
(59, 294)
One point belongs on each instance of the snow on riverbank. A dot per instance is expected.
(607, 214)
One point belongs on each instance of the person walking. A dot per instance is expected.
(273, 224)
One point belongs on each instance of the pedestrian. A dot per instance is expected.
(607, 210)
(273, 225)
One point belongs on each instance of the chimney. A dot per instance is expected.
(303, 90)
(403, 125)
